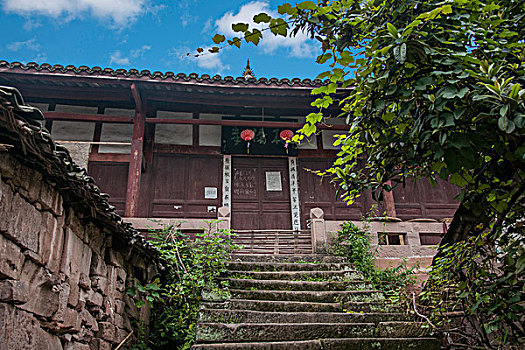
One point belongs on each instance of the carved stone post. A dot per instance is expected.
(224, 217)
(319, 239)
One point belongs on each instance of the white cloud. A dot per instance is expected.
(140, 52)
(29, 44)
(31, 24)
(211, 62)
(298, 46)
(208, 26)
(120, 12)
(118, 58)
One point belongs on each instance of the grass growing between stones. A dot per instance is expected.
(353, 243)
(193, 269)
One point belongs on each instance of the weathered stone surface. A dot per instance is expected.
(106, 331)
(25, 226)
(28, 182)
(51, 241)
(250, 316)
(74, 224)
(19, 330)
(86, 264)
(44, 263)
(313, 296)
(96, 240)
(269, 332)
(6, 198)
(115, 258)
(11, 259)
(50, 199)
(98, 266)
(99, 344)
(71, 263)
(100, 284)
(44, 299)
(89, 320)
(119, 307)
(76, 346)
(16, 292)
(92, 298)
(9, 166)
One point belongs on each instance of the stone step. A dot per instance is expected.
(309, 296)
(286, 266)
(271, 305)
(376, 306)
(332, 344)
(249, 316)
(251, 284)
(296, 275)
(291, 258)
(301, 306)
(397, 329)
(250, 332)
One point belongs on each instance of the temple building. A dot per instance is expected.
(195, 147)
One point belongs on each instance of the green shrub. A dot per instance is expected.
(354, 244)
(193, 267)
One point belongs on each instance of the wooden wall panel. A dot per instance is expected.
(178, 183)
(111, 178)
(320, 192)
(419, 199)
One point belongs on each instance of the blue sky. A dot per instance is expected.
(148, 34)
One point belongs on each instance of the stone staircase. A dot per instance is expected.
(304, 302)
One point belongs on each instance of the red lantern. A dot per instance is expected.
(286, 136)
(247, 135)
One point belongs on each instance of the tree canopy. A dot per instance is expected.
(430, 89)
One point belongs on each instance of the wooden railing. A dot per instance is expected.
(274, 241)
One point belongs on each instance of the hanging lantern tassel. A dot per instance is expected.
(286, 136)
(247, 135)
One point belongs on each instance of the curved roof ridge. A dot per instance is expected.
(157, 75)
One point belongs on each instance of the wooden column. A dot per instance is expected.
(390, 205)
(195, 131)
(136, 156)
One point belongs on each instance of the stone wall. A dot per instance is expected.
(63, 275)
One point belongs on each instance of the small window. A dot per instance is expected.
(430, 238)
(391, 238)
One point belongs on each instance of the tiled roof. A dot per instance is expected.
(34, 147)
(159, 76)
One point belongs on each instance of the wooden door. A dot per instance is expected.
(258, 204)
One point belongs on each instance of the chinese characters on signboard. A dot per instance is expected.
(294, 194)
(226, 181)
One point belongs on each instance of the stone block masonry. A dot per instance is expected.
(63, 275)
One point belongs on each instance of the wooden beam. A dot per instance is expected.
(129, 120)
(109, 157)
(87, 117)
(247, 123)
(180, 149)
(136, 156)
(195, 131)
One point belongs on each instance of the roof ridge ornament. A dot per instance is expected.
(248, 73)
